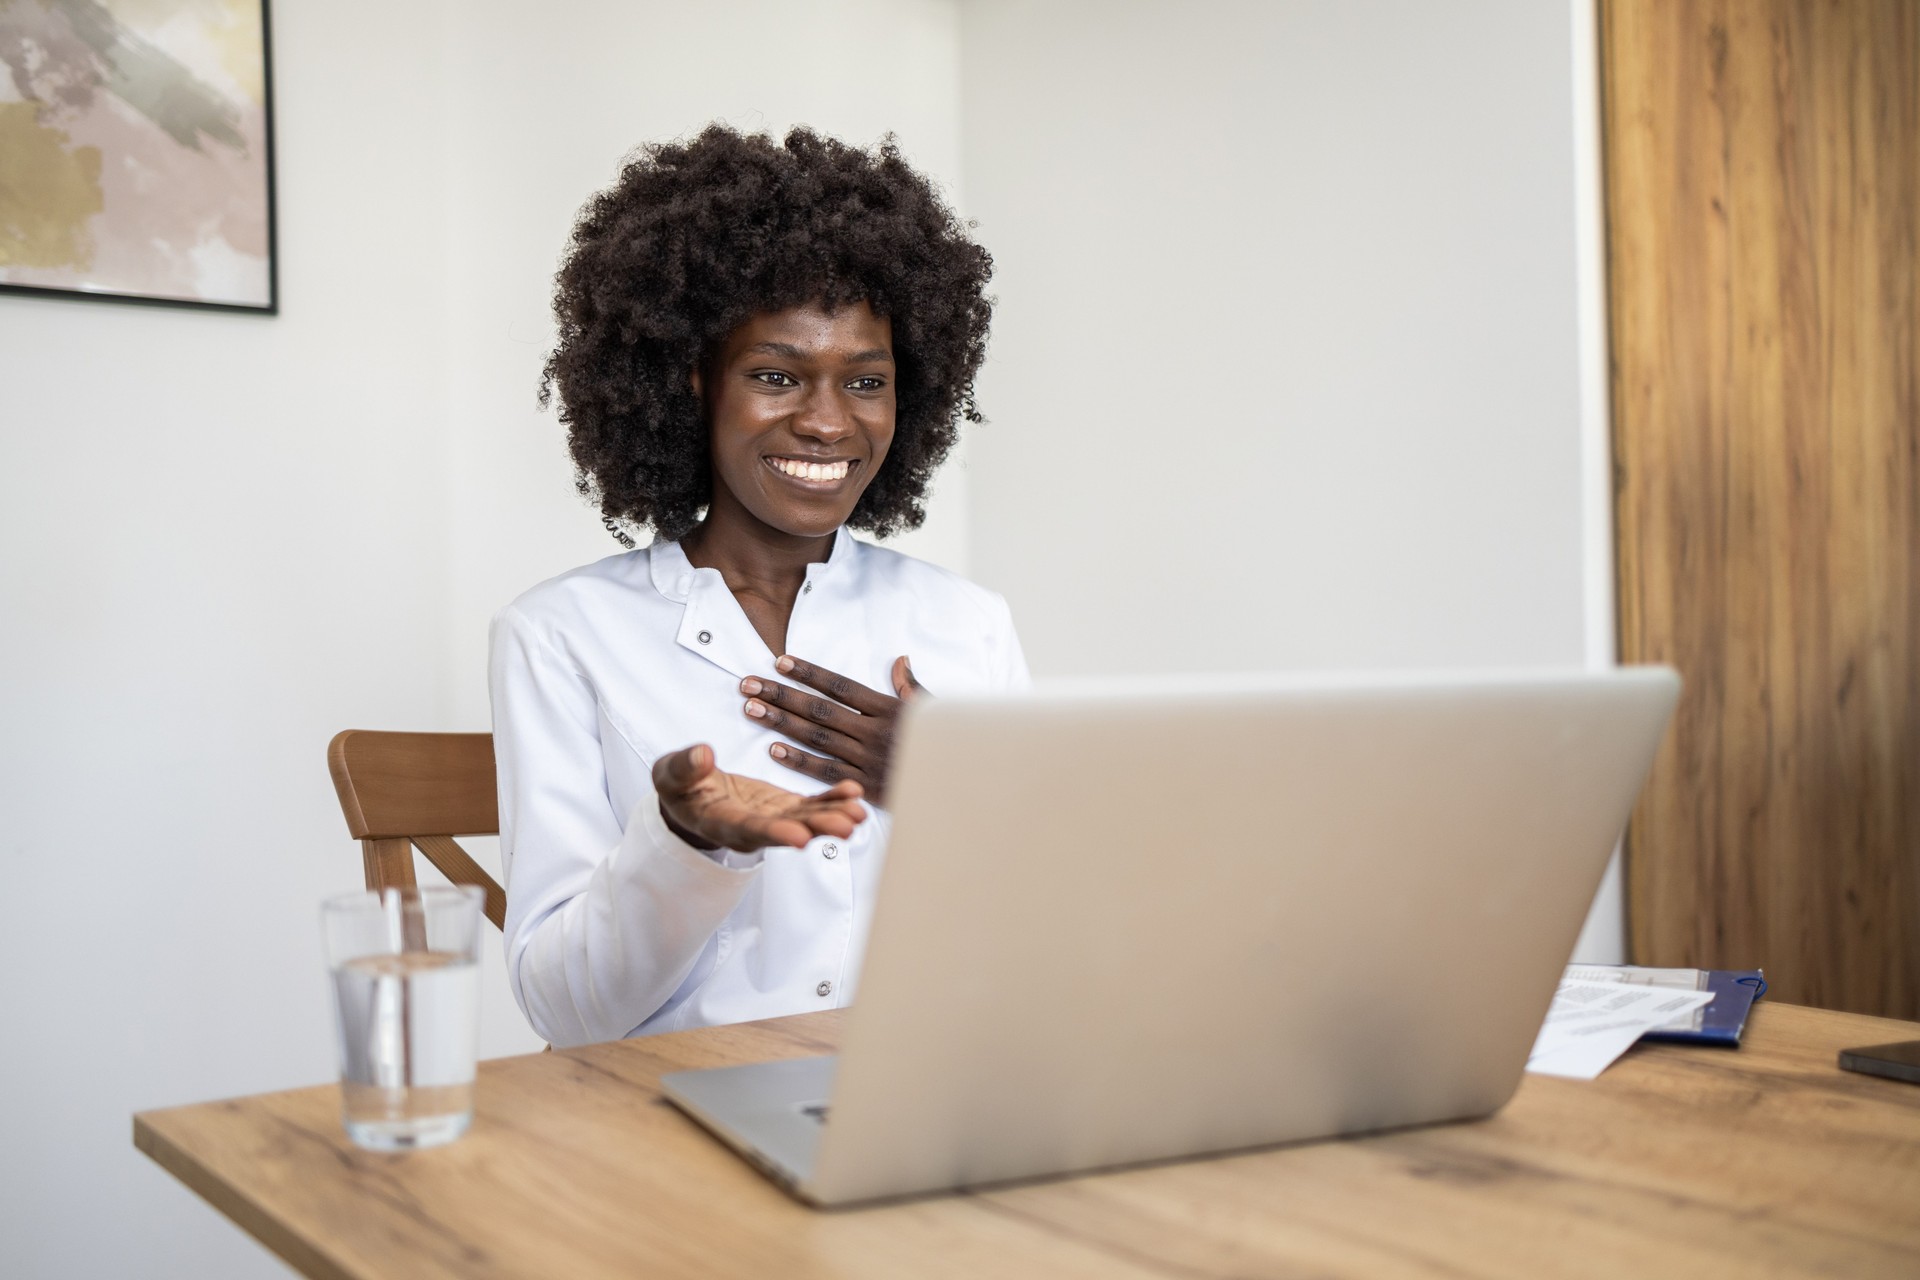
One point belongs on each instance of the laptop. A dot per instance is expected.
(1129, 921)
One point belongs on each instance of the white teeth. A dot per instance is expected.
(813, 470)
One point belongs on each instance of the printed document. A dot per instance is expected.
(1640, 975)
(1592, 1023)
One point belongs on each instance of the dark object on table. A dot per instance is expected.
(1894, 1061)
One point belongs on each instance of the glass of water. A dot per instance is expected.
(405, 997)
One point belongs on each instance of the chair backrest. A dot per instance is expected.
(405, 790)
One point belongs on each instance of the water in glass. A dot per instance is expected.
(407, 1042)
(405, 996)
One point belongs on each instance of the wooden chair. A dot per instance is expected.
(401, 791)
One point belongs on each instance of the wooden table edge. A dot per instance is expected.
(234, 1205)
(310, 1258)
(230, 1200)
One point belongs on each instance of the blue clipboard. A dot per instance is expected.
(1721, 1020)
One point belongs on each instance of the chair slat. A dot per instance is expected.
(457, 865)
(388, 864)
(402, 784)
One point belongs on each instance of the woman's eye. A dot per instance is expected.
(774, 378)
(868, 384)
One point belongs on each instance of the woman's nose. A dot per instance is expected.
(825, 416)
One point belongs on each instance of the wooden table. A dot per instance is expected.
(1766, 1161)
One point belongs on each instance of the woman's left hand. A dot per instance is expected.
(848, 725)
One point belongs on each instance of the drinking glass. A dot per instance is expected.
(405, 996)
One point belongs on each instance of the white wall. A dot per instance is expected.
(219, 548)
(227, 537)
(1286, 369)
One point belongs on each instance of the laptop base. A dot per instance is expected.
(770, 1112)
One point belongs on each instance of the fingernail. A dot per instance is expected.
(749, 685)
(756, 709)
(783, 664)
(777, 751)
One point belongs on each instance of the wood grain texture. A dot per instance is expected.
(407, 784)
(397, 790)
(1760, 1162)
(458, 866)
(387, 864)
(1763, 175)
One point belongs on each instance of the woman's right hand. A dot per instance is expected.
(709, 808)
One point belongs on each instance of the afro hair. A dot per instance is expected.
(696, 237)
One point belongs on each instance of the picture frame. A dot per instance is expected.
(137, 153)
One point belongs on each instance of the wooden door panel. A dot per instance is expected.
(1763, 175)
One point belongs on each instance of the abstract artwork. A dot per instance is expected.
(136, 151)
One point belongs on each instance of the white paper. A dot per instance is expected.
(1592, 1023)
(1641, 975)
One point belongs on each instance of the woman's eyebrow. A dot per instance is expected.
(787, 351)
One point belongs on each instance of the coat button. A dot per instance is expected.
(831, 851)
(706, 637)
(824, 989)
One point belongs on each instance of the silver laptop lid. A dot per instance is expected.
(1126, 921)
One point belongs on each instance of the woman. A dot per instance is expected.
(761, 346)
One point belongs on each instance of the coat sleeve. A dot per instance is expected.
(1006, 660)
(607, 913)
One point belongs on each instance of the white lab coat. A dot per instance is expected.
(615, 926)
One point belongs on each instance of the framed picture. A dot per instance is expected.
(136, 151)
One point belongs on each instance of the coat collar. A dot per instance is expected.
(675, 577)
(713, 624)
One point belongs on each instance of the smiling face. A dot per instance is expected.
(800, 409)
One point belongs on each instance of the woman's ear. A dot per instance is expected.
(699, 385)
